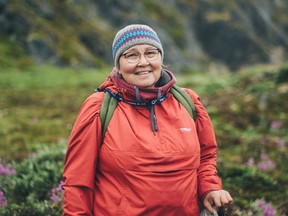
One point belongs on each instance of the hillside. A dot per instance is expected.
(195, 34)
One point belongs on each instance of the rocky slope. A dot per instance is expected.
(195, 33)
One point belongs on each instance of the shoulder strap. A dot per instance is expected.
(184, 98)
(108, 107)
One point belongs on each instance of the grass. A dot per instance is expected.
(40, 105)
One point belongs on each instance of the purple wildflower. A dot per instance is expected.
(6, 170)
(54, 196)
(280, 143)
(275, 124)
(57, 193)
(250, 162)
(266, 208)
(263, 156)
(266, 165)
(3, 200)
(261, 203)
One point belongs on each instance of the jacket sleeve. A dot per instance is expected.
(81, 159)
(208, 178)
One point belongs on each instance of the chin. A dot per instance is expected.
(146, 85)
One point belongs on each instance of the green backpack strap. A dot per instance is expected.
(109, 105)
(107, 109)
(184, 98)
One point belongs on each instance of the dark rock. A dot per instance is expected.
(42, 53)
(96, 46)
(3, 5)
(118, 12)
(17, 26)
(43, 8)
(229, 45)
(3, 17)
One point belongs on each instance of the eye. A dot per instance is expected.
(151, 53)
(131, 55)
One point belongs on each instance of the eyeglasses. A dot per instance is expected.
(134, 57)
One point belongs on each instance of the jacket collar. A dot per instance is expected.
(119, 86)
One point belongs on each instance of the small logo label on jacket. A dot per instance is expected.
(185, 130)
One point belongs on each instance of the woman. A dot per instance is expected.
(153, 160)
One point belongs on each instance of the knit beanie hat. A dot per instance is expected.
(133, 35)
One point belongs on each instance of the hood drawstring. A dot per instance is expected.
(150, 105)
(151, 108)
(137, 94)
(153, 119)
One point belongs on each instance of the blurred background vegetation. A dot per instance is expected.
(53, 54)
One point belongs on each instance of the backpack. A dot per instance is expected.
(109, 105)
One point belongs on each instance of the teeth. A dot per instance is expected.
(142, 73)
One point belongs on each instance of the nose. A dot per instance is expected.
(143, 60)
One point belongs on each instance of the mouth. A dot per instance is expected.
(141, 73)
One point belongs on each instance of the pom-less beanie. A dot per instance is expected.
(133, 35)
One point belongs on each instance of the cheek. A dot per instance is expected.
(157, 64)
(126, 71)
(158, 68)
(125, 68)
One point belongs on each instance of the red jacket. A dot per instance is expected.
(138, 171)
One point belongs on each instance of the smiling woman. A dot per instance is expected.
(140, 66)
(136, 52)
(153, 159)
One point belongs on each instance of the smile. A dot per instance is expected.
(143, 72)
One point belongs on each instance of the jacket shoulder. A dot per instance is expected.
(192, 94)
(94, 100)
(91, 107)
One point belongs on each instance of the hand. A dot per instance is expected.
(217, 199)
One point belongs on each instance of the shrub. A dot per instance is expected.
(32, 188)
(282, 75)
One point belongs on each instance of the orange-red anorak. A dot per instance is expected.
(138, 171)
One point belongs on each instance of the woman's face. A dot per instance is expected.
(142, 73)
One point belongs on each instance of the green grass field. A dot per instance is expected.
(39, 106)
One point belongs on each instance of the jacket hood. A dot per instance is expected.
(117, 85)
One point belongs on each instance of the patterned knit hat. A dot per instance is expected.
(133, 35)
